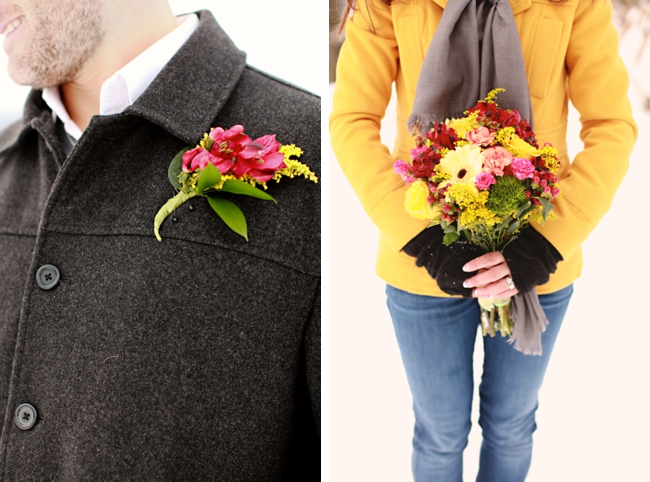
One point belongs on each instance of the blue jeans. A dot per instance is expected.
(436, 338)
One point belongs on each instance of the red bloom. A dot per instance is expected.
(425, 159)
(227, 146)
(524, 131)
(260, 159)
(443, 136)
(198, 158)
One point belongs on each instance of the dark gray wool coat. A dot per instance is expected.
(192, 359)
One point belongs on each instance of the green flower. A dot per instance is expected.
(506, 195)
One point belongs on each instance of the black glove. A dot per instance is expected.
(444, 263)
(531, 259)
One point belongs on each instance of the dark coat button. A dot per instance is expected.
(48, 276)
(25, 416)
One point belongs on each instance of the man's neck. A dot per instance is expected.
(81, 96)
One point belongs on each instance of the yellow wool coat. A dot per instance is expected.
(570, 53)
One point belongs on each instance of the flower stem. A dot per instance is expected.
(168, 208)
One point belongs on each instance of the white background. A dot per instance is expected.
(593, 416)
(271, 33)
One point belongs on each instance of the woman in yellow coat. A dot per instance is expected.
(570, 52)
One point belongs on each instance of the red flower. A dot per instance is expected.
(443, 136)
(425, 159)
(198, 158)
(524, 131)
(260, 159)
(223, 154)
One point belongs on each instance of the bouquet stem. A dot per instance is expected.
(495, 316)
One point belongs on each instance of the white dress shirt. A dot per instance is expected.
(128, 83)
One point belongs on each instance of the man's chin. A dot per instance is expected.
(30, 78)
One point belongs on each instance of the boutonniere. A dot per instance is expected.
(230, 161)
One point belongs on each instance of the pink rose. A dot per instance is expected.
(484, 180)
(522, 168)
(480, 137)
(495, 159)
(260, 159)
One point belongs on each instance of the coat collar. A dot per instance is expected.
(190, 91)
(517, 5)
(186, 96)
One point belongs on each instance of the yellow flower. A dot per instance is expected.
(463, 125)
(520, 148)
(462, 165)
(549, 154)
(492, 95)
(471, 202)
(417, 205)
(465, 194)
(515, 144)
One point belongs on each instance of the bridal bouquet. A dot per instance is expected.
(483, 177)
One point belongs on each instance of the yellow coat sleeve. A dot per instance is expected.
(366, 69)
(597, 87)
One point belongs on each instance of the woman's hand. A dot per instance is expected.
(490, 282)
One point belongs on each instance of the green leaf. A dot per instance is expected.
(176, 167)
(231, 215)
(209, 177)
(513, 227)
(512, 238)
(450, 238)
(522, 208)
(503, 224)
(240, 187)
(546, 207)
(531, 208)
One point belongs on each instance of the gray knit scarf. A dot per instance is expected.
(476, 48)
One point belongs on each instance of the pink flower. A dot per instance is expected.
(260, 159)
(198, 158)
(418, 152)
(484, 180)
(495, 159)
(404, 169)
(522, 168)
(480, 137)
(227, 145)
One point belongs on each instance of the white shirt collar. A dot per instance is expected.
(128, 83)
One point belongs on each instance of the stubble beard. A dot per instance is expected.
(65, 37)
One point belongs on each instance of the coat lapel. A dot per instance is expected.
(190, 91)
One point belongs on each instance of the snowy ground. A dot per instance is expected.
(592, 417)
